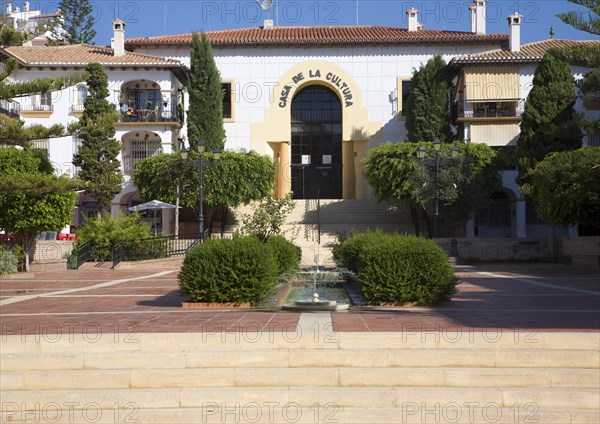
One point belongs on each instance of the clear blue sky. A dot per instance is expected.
(159, 17)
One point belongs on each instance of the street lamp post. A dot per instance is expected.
(421, 153)
(201, 163)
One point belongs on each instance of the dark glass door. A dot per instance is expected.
(316, 144)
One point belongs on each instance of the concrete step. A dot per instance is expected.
(361, 397)
(526, 378)
(321, 412)
(293, 340)
(305, 358)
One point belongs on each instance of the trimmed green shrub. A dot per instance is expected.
(8, 260)
(238, 270)
(286, 254)
(106, 231)
(398, 269)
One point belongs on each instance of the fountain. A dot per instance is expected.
(315, 302)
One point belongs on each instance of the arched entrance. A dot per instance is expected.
(316, 144)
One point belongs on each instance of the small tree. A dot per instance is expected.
(428, 116)
(565, 188)
(268, 217)
(205, 116)
(97, 155)
(549, 123)
(238, 178)
(31, 199)
(395, 174)
(75, 25)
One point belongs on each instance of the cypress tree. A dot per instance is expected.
(205, 115)
(548, 123)
(98, 152)
(75, 25)
(428, 116)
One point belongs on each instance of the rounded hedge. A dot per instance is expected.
(287, 254)
(237, 270)
(398, 269)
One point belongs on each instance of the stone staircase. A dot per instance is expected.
(309, 376)
(316, 229)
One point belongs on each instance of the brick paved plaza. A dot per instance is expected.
(534, 297)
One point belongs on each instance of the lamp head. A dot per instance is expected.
(184, 152)
(454, 152)
(437, 144)
(200, 146)
(421, 152)
(217, 154)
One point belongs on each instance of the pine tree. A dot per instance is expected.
(98, 152)
(548, 123)
(75, 23)
(205, 115)
(13, 130)
(428, 117)
(586, 55)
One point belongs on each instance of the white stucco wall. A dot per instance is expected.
(256, 74)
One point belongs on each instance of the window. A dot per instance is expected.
(81, 95)
(403, 90)
(227, 100)
(496, 211)
(42, 101)
(593, 140)
(138, 150)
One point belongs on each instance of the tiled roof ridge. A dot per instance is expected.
(17, 53)
(319, 34)
(527, 51)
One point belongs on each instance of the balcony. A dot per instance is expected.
(156, 115)
(37, 108)
(10, 109)
(491, 110)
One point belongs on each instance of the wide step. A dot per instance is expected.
(262, 377)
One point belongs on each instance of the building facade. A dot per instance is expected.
(314, 99)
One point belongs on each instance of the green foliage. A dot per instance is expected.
(205, 115)
(8, 260)
(565, 188)
(584, 21)
(268, 217)
(106, 231)
(238, 270)
(396, 174)
(75, 24)
(398, 269)
(287, 254)
(46, 204)
(97, 155)
(548, 123)
(428, 116)
(238, 178)
(145, 249)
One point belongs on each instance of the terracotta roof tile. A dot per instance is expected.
(79, 55)
(531, 52)
(319, 35)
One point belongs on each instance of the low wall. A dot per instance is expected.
(51, 251)
(496, 248)
(585, 251)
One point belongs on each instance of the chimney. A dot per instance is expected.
(514, 32)
(473, 19)
(118, 40)
(268, 23)
(480, 15)
(26, 6)
(413, 19)
(9, 8)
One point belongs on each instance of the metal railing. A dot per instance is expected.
(151, 248)
(149, 115)
(82, 255)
